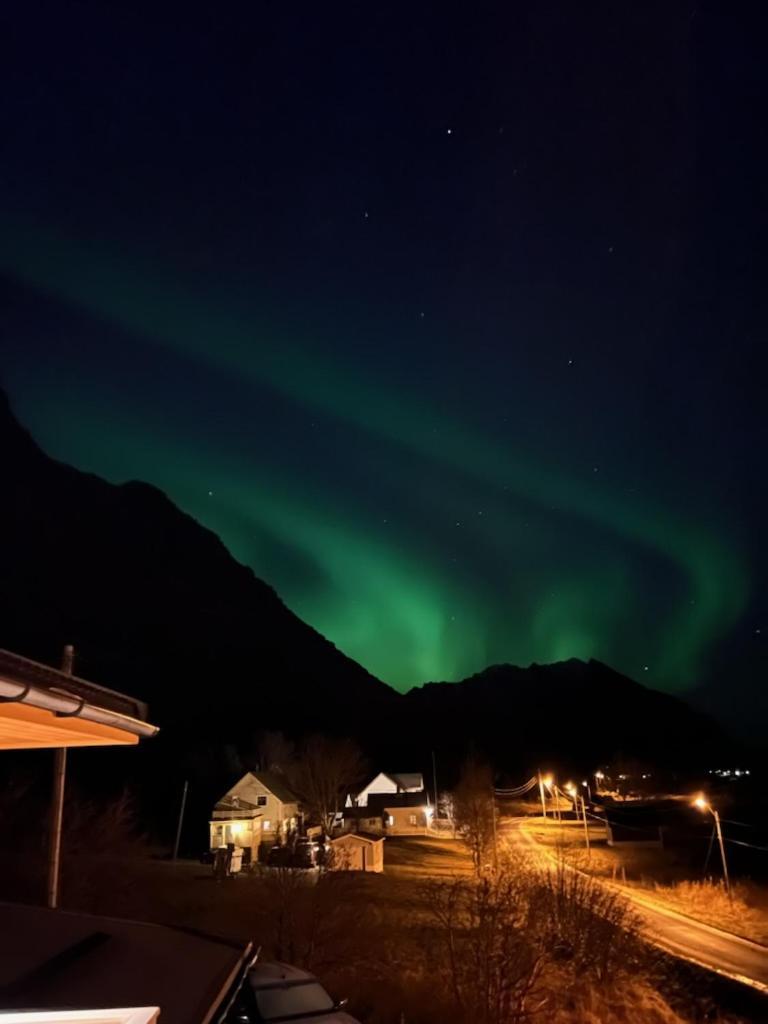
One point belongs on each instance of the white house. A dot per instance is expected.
(387, 782)
(259, 808)
(390, 814)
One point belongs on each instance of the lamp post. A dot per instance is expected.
(704, 805)
(549, 782)
(589, 791)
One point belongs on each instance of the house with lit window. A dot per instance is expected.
(259, 808)
(390, 814)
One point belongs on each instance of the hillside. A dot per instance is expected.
(569, 713)
(156, 605)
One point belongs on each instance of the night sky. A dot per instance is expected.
(448, 319)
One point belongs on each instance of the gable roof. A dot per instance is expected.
(277, 785)
(362, 837)
(401, 780)
(408, 780)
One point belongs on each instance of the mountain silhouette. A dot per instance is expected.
(156, 606)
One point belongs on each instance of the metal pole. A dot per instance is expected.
(709, 851)
(181, 820)
(543, 801)
(57, 818)
(722, 852)
(586, 826)
(495, 836)
(434, 785)
(57, 802)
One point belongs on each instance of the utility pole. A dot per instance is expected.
(541, 793)
(181, 820)
(495, 836)
(704, 805)
(57, 802)
(586, 826)
(722, 852)
(434, 785)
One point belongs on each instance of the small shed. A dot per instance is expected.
(355, 851)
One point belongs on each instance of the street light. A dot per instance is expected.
(589, 791)
(704, 805)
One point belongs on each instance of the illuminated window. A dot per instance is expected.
(390, 820)
(412, 819)
(266, 824)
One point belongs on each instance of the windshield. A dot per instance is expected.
(293, 1000)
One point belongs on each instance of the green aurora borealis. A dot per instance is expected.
(449, 325)
(549, 566)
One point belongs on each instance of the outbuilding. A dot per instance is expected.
(355, 851)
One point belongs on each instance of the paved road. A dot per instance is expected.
(702, 944)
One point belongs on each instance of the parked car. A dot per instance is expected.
(279, 992)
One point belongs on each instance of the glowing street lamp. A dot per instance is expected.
(589, 791)
(704, 805)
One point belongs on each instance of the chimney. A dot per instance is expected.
(67, 659)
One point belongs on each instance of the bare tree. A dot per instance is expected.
(323, 771)
(525, 944)
(586, 924)
(473, 810)
(486, 956)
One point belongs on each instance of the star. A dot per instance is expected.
(610, 248)
(595, 469)
(645, 668)
(570, 362)
(449, 131)
(365, 214)
(210, 494)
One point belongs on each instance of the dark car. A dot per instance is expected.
(273, 992)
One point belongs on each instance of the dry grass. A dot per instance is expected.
(709, 902)
(745, 914)
(417, 858)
